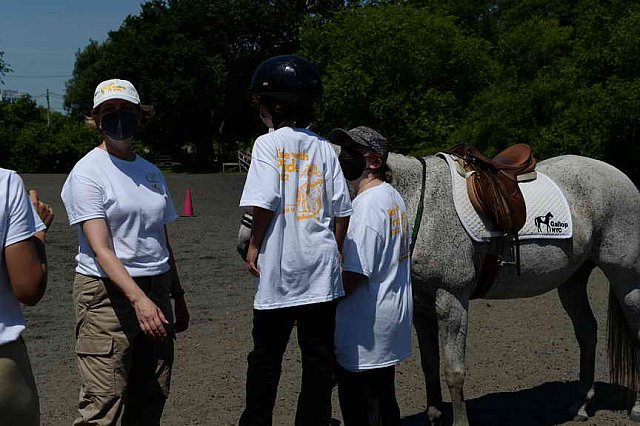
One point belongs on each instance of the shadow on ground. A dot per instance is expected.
(546, 404)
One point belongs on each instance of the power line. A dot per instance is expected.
(49, 99)
(36, 76)
(42, 95)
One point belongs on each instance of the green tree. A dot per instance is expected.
(29, 145)
(406, 71)
(4, 68)
(567, 83)
(193, 60)
(560, 75)
(530, 78)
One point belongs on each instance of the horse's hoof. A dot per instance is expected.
(434, 414)
(581, 414)
(634, 415)
(580, 418)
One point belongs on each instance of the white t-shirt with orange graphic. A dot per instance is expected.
(296, 174)
(373, 324)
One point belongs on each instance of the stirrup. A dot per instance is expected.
(509, 249)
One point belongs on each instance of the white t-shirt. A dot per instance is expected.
(373, 324)
(133, 198)
(296, 174)
(18, 221)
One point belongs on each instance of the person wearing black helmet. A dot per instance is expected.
(295, 189)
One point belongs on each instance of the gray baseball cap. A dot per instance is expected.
(363, 136)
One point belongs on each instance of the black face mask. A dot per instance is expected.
(352, 164)
(120, 125)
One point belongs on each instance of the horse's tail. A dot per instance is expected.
(623, 346)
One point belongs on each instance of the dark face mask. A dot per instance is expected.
(120, 125)
(352, 164)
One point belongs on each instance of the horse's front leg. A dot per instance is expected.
(426, 324)
(574, 298)
(634, 414)
(452, 313)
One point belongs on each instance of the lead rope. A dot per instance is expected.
(416, 224)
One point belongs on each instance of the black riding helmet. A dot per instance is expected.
(288, 78)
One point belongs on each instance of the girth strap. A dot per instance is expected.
(418, 220)
(488, 275)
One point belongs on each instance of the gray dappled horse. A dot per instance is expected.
(605, 209)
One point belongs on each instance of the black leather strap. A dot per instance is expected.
(418, 220)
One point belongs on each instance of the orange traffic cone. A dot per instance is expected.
(187, 210)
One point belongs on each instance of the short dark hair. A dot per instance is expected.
(383, 171)
(282, 113)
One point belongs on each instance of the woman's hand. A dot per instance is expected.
(150, 317)
(182, 314)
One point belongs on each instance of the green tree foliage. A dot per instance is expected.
(566, 82)
(527, 87)
(4, 68)
(28, 145)
(403, 70)
(559, 75)
(193, 60)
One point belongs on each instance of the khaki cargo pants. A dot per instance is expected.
(120, 368)
(19, 404)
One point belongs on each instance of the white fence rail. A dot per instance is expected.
(242, 165)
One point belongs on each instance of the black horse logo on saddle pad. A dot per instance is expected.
(543, 220)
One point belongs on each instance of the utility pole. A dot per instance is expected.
(48, 110)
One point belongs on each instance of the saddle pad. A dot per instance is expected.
(548, 214)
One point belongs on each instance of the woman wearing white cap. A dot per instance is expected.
(125, 274)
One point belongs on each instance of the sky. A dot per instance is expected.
(41, 37)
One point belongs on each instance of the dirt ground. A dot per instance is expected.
(522, 357)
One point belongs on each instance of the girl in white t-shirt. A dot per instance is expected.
(296, 189)
(125, 276)
(23, 278)
(373, 323)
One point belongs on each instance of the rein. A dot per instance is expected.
(418, 221)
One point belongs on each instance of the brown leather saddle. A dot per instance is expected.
(492, 185)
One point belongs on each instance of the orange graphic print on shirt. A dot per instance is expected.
(400, 225)
(309, 198)
(310, 189)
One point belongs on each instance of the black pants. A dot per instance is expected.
(368, 398)
(271, 331)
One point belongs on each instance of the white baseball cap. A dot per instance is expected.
(115, 89)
